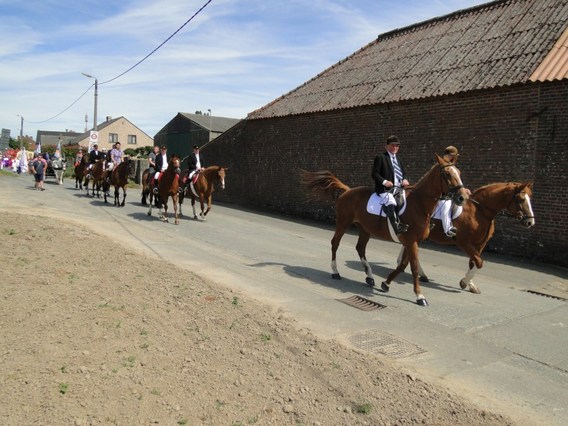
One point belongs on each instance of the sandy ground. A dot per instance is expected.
(87, 340)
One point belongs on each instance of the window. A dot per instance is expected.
(112, 138)
(132, 139)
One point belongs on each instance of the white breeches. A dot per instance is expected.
(445, 209)
(387, 199)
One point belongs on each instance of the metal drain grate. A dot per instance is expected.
(538, 293)
(380, 342)
(362, 303)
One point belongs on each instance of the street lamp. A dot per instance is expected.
(96, 97)
(21, 131)
(210, 124)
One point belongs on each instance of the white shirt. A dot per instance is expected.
(198, 162)
(164, 162)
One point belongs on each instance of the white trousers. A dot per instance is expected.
(445, 209)
(387, 199)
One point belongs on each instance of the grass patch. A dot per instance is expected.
(363, 408)
(63, 387)
(265, 337)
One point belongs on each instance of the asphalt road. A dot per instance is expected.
(505, 349)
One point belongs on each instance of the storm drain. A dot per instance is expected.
(380, 342)
(362, 303)
(538, 293)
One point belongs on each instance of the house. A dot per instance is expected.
(186, 130)
(491, 80)
(46, 137)
(116, 130)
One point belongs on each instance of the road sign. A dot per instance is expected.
(93, 139)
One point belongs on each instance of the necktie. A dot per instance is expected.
(397, 171)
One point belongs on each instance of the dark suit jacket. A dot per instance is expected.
(192, 161)
(94, 156)
(383, 170)
(159, 160)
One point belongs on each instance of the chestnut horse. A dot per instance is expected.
(119, 179)
(168, 186)
(80, 172)
(351, 207)
(476, 223)
(203, 188)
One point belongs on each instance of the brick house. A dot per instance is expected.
(116, 130)
(491, 80)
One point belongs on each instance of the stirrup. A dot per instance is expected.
(451, 232)
(401, 228)
(155, 191)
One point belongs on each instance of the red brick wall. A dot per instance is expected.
(511, 134)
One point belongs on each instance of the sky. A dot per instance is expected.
(233, 57)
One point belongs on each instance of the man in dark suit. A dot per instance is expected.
(388, 173)
(94, 156)
(162, 161)
(194, 162)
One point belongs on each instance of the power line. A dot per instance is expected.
(131, 68)
(164, 42)
(55, 116)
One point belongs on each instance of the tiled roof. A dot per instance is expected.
(495, 44)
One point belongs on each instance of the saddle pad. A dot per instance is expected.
(375, 204)
(456, 212)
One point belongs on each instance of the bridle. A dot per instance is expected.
(453, 193)
(521, 216)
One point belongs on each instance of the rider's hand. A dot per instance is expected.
(405, 182)
(388, 184)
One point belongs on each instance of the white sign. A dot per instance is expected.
(93, 139)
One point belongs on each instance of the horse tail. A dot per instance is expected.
(322, 185)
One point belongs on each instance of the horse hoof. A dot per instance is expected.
(385, 287)
(422, 302)
(424, 279)
(370, 281)
(336, 276)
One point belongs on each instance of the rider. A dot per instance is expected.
(444, 206)
(195, 163)
(116, 157)
(94, 155)
(152, 162)
(79, 157)
(388, 173)
(162, 161)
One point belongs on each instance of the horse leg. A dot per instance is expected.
(421, 272)
(180, 202)
(202, 204)
(175, 202)
(208, 206)
(475, 263)
(193, 207)
(361, 248)
(116, 196)
(402, 263)
(123, 196)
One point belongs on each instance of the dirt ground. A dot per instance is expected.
(86, 340)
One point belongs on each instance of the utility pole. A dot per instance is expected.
(96, 97)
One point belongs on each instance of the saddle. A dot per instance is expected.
(375, 204)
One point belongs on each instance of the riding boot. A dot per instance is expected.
(397, 225)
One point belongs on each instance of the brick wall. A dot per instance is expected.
(511, 134)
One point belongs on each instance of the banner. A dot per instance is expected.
(93, 139)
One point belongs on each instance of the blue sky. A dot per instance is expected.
(233, 58)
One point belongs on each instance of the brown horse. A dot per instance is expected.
(99, 178)
(351, 207)
(119, 179)
(168, 186)
(203, 188)
(147, 190)
(476, 223)
(80, 173)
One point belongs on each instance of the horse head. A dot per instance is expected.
(520, 205)
(451, 177)
(174, 164)
(221, 176)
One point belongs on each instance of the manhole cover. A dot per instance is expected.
(362, 303)
(380, 342)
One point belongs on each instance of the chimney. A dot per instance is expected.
(108, 118)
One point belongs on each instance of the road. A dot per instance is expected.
(504, 349)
